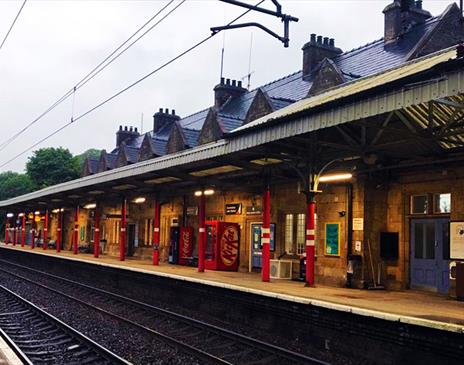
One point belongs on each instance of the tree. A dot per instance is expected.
(13, 184)
(89, 153)
(51, 166)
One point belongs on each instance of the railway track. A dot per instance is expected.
(203, 340)
(39, 338)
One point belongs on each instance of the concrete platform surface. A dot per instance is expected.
(413, 307)
(7, 355)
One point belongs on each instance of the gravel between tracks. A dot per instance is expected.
(120, 338)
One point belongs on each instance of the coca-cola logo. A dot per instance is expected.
(185, 243)
(229, 245)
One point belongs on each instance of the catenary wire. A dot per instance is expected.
(99, 105)
(96, 70)
(12, 24)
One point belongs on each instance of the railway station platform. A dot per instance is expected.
(410, 307)
(7, 354)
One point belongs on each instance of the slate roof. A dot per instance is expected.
(111, 159)
(191, 136)
(364, 61)
(132, 153)
(93, 164)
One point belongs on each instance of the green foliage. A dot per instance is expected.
(89, 153)
(51, 166)
(13, 184)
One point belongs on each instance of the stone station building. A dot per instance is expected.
(379, 128)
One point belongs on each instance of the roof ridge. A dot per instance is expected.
(228, 116)
(191, 115)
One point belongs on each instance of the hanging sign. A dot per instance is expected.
(332, 239)
(233, 209)
(192, 210)
(457, 240)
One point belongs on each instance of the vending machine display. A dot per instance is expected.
(222, 246)
(185, 245)
(174, 245)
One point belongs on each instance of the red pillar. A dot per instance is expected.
(122, 237)
(15, 232)
(23, 230)
(76, 231)
(96, 238)
(58, 231)
(33, 231)
(266, 235)
(201, 233)
(310, 241)
(156, 232)
(45, 232)
(7, 231)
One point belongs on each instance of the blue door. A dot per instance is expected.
(256, 246)
(430, 254)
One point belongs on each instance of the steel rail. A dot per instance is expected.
(278, 351)
(99, 349)
(186, 348)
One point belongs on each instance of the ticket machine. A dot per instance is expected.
(222, 246)
(174, 234)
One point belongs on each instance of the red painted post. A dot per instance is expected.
(76, 231)
(122, 237)
(23, 230)
(45, 231)
(58, 231)
(15, 236)
(201, 233)
(156, 232)
(310, 232)
(266, 235)
(96, 238)
(7, 231)
(33, 231)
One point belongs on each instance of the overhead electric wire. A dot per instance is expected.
(12, 24)
(97, 69)
(125, 89)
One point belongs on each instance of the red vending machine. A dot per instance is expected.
(222, 246)
(185, 245)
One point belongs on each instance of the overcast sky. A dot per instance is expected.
(55, 43)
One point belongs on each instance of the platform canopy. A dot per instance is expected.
(405, 117)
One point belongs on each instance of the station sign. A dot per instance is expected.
(254, 210)
(233, 209)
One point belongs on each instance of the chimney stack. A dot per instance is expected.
(123, 135)
(316, 50)
(163, 118)
(400, 16)
(227, 89)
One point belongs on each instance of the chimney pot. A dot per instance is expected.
(319, 39)
(125, 128)
(166, 111)
(332, 42)
(239, 84)
(326, 41)
(223, 80)
(313, 37)
(234, 83)
(120, 127)
(173, 112)
(130, 129)
(227, 81)
(135, 130)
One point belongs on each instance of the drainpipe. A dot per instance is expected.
(122, 238)
(156, 231)
(76, 231)
(58, 230)
(96, 238)
(23, 230)
(33, 231)
(349, 261)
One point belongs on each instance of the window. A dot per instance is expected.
(442, 203)
(419, 204)
(148, 237)
(289, 233)
(301, 234)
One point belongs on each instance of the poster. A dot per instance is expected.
(457, 240)
(332, 239)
